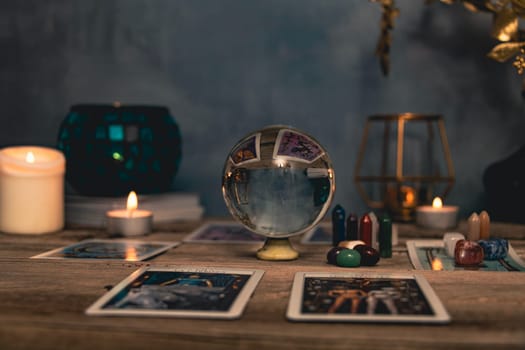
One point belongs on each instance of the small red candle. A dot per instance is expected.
(365, 229)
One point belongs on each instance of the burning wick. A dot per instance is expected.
(30, 157)
(132, 203)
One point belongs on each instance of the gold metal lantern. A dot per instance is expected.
(404, 160)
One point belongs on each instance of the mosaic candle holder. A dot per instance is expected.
(112, 149)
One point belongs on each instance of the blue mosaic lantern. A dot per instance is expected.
(112, 149)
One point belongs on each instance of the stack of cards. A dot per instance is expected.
(166, 207)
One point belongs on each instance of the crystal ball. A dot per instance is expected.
(278, 181)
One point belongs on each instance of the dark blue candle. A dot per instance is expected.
(351, 228)
(385, 237)
(338, 225)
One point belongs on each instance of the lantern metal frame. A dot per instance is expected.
(400, 177)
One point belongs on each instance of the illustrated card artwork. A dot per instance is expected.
(247, 151)
(293, 145)
(223, 232)
(364, 297)
(180, 292)
(99, 249)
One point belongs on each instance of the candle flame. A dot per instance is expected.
(437, 203)
(280, 163)
(437, 265)
(131, 254)
(30, 157)
(408, 196)
(132, 203)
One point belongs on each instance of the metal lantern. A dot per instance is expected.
(404, 160)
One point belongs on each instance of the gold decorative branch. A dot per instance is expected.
(390, 12)
(506, 16)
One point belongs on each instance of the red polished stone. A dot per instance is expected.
(468, 253)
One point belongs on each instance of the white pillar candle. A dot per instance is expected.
(437, 215)
(31, 190)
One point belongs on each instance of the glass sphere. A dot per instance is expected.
(278, 181)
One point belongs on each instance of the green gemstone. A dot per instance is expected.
(348, 258)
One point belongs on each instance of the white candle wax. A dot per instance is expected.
(436, 216)
(121, 222)
(31, 190)
(130, 221)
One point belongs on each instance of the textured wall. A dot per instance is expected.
(227, 67)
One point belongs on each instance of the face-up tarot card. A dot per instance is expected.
(180, 292)
(292, 145)
(247, 151)
(364, 297)
(223, 232)
(99, 249)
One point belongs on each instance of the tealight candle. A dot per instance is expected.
(130, 221)
(31, 190)
(437, 216)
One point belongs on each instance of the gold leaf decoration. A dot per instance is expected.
(505, 51)
(390, 12)
(476, 5)
(518, 6)
(505, 25)
(519, 62)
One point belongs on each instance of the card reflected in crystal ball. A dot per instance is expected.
(297, 146)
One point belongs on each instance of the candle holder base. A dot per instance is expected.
(277, 249)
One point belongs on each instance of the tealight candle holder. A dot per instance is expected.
(130, 221)
(437, 215)
(31, 190)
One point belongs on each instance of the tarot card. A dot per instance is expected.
(430, 254)
(247, 151)
(364, 297)
(321, 234)
(292, 145)
(180, 292)
(99, 249)
(223, 232)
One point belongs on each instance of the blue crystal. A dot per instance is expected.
(494, 249)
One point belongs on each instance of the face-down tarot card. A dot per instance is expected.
(101, 249)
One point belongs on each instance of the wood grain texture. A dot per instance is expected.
(43, 301)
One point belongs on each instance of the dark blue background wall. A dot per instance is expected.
(225, 68)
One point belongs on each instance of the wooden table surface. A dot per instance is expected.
(42, 302)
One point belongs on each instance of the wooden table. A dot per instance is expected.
(42, 302)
